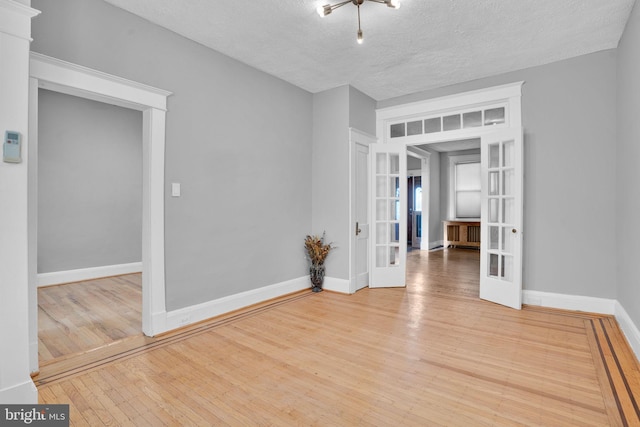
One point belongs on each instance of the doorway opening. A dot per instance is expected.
(452, 194)
(491, 115)
(89, 224)
(63, 77)
(414, 202)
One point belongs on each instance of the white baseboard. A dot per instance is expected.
(196, 313)
(59, 277)
(34, 362)
(630, 330)
(591, 305)
(23, 393)
(336, 285)
(569, 302)
(436, 244)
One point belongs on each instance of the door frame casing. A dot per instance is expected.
(71, 79)
(508, 95)
(425, 173)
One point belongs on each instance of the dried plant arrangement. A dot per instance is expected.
(317, 249)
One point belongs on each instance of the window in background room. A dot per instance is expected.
(467, 190)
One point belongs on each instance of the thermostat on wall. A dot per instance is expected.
(11, 147)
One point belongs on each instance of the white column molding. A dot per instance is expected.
(16, 385)
(15, 19)
(32, 224)
(153, 278)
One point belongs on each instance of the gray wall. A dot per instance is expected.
(569, 117)
(89, 183)
(362, 111)
(628, 172)
(238, 140)
(330, 171)
(413, 163)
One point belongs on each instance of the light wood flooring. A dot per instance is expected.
(83, 316)
(431, 354)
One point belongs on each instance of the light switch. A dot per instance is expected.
(175, 189)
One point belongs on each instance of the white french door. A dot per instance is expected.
(501, 211)
(389, 215)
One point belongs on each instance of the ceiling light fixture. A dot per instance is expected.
(328, 8)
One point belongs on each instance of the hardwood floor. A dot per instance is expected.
(83, 316)
(432, 354)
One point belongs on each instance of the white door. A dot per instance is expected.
(501, 216)
(389, 215)
(361, 227)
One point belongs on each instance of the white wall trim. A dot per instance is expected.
(336, 285)
(72, 79)
(473, 97)
(196, 313)
(569, 302)
(22, 9)
(630, 330)
(80, 274)
(22, 393)
(15, 19)
(590, 305)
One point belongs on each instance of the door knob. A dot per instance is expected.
(358, 231)
(514, 231)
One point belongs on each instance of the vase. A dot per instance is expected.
(316, 275)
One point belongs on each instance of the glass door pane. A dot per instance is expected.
(500, 186)
(388, 209)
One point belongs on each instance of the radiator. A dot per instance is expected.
(461, 233)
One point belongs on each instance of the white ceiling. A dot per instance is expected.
(423, 45)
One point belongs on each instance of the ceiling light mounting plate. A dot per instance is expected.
(326, 9)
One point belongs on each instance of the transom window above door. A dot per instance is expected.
(492, 116)
(458, 116)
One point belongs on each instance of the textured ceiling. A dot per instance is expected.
(423, 45)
